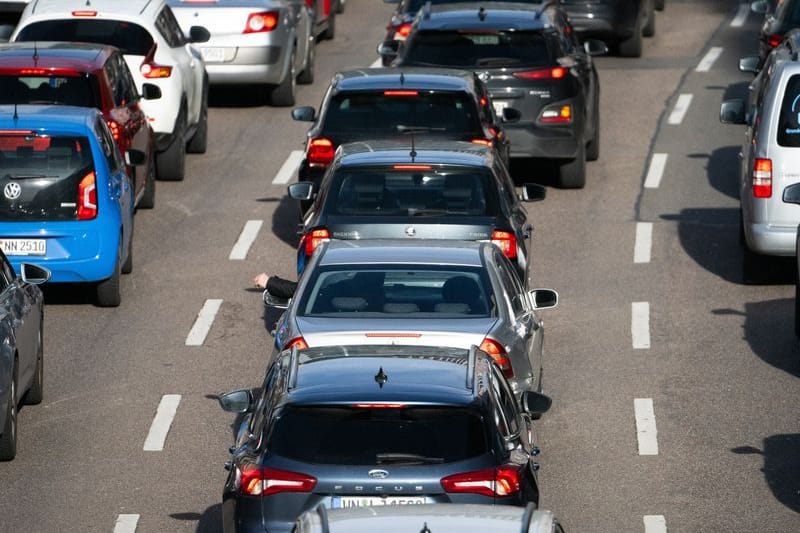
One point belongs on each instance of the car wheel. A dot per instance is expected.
(659, 4)
(330, 32)
(35, 393)
(107, 292)
(649, 29)
(797, 310)
(307, 76)
(284, 94)
(8, 438)
(632, 46)
(171, 163)
(127, 266)
(593, 147)
(573, 172)
(199, 141)
(148, 200)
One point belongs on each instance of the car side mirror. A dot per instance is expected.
(732, 112)
(594, 47)
(239, 401)
(535, 403)
(274, 302)
(151, 91)
(34, 274)
(749, 64)
(134, 157)
(533, 192)
(511, 115)
(302, 190)
(760, 7)
(199, 34)
(304, 113)
(543, 298)
(791, 194)
(388, 49)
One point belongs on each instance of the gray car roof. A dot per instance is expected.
(497, 15)
(427, 152)
(416, 252)
(442, 79)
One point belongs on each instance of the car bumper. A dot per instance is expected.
(533, 140)
(245, 65)
(771, 240)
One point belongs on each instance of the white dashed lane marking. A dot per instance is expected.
(161, 423)
(708, 60)
(644, 242)
(246, 239)
(640, 325)
(289, 168)
(126, 523)
(646, 432)
(205, 319)
(738, 21)
(655, 524)
(377, 63)
(680, 109)
(656, 170)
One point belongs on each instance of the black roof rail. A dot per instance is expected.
(294, 364)
(322, 511)
(426, 10)
(545, 5)
(527, 516)
(473, 351)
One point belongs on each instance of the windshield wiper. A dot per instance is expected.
(496, 62)
(406, 458)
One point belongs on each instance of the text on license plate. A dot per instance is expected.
(340, 502)
(213, 55)
(23, 246)
(499, 105)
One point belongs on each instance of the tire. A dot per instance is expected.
(127, 266)
(649, 29)
(171, 163)
(659, 5)
(148, 200)
(340, 6)
(797, 310)
(198, 144)
(283, 95)
(573, 172)
(8, 438)
(35, 393)
(307, 76)
(330, 31)
(632, 46)
(107, 292)
(593, 146)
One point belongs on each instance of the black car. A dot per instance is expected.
(777, 23)
(621, 23)
(532, 62)
(446, 190)
(370, 104)
(351, 426)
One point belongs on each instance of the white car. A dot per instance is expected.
(157, 51)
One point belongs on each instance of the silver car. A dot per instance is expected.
(447, 293)
(265, 42)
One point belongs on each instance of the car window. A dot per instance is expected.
(167, 25)
(44, 89)
(509, 191)
(788, 12)
(130, 38)
(506, 418)
(119, 77)
(511, 284)
(789, 121)
(491, 49)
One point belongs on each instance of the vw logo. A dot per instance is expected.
(410, 231)
(378, 474)
(12, 190)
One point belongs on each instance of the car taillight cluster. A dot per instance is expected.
(262, 22)
(491, 482)
(762, 178)
(87, 197)
(154, 71)
(298, 342)
(555, 73)
(506, 241)
(320, 152)
(499, 354)
(774, 40)
(402, 31)
(312, 239)
(256, 480)
(556, 114)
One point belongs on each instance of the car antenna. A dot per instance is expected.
(402, 79)
(482, 14)
(473, 352)
(381, 378)
(426, 10)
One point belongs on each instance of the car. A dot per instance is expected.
(621, 23)
(438, 517)
(442, 293)
(770, 152)
(791, 195)
(323, 20)
(156, 51)
(67, 201)
(779, 20)
(269, 42)
(22, 347)
(10, 11)
(370, 104)
(440, 190)
(378, 425)
(531, 62)
(86, 75)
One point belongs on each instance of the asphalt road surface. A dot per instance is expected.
(675, 386)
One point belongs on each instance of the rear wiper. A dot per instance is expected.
(428, 212)
(496, 62)
(409, 458)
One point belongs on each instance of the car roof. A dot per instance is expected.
(130, 8)
(433, 151)
(398, 252)
(48, 117)
(435, 79)
(498, 15)
(78, 56)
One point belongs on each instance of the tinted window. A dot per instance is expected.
(128, 37)
(511, 284)
(421, 192)
(788, 12)
(68, 90)
(789, 123)
(412, 292)
(39, 176)
(506, 408)
(371, 114)
(358, 436)
(485, 49)
(169, 28)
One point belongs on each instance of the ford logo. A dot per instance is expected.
(378, 474)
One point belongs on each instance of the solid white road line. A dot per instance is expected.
(643, 243)
(657, 164)
(646, 432)
(161, 423)
(655, 524)
(708, 60)
(288, 168)
(246, 238)
(205, 319)
(377, 63)
(640, 325)
(680, 109)
(741, 16)
(126, 523)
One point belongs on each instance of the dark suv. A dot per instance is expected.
(531, 61)
(349, 426)
(85, 75)
(622, 23)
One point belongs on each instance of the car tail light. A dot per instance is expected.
(320, 152)
(555, 73)
(299, 342)
(262, 22)
(402, 31)
(557, 114)
(400, 93)
(774, 40)
(484, 142)
(153, 70)
(411, 167)
(491, 482)
(499, 354)
(87, 197)
(257, 480)
(762, 178)
(506, 241)
(379, 405)
(114, 126)
(313, 238)
(84, 13)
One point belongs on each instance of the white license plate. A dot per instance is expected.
(343, 502)
(499, 105)
(213, 55)
(23, 246)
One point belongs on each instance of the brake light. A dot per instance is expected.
(506, 241)
(320, 152)
(484, 142)
(300, 342)
(379, 405)
(262, 481)
(411, 167)
(114, 127)
(762, 178)
(313, 238)
(555, 73)
(774, 40)
(261, 22)
(55, 71)
(491, 482)
(153, 71)
(402, 31)
(84, 13)
(400, 93)
(556, 115)
(499, 354)
(87, 197)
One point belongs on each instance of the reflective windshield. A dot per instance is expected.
(494, 49)
(128, 37)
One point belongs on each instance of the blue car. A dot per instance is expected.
(66, 202)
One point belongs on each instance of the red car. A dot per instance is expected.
(85, 75)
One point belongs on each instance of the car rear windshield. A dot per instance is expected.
(41, 89)
(789, 123)
(426, 191)
(491, 49)
(378, 436)
(130, 38)
(370, 114)
(40, 175)
(416, 291)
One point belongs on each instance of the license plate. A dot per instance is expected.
(23, 246)
(499, 105)
(343, 502)
(213, 55)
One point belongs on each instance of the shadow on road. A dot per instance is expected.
(208, 522)
(285, 221)
(237, 96)
(722, 169)
(781, 467)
